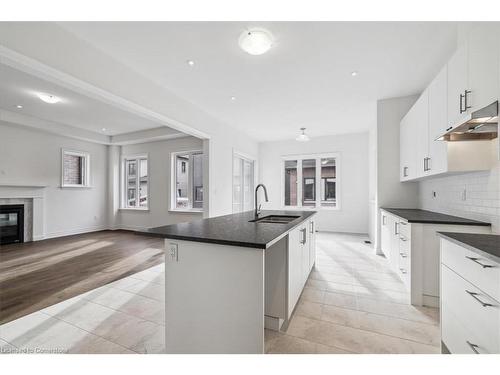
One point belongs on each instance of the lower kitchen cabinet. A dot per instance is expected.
(301, 259)
(470, 307)
(412, 251)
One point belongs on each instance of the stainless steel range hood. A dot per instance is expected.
(479, 125)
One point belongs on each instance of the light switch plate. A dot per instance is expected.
(173, 252)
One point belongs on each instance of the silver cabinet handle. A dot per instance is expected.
(473, 347)
(466, 106)
(396, 229)
(403, 239)
(475, 296)
(403, 255)
(476, 260)
(403, 271)
(461, 99)
(384, 220)
(304, 236)
(312, 226)
(405, 171)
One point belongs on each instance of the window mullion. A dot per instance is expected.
(317, 187)
(299, 183)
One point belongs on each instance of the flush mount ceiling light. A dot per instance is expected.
(190, 62)
(256, 41)
(47, 98)
(19, 106)
(303, 136)
(233, 98)
(354, 73)
(103, 129)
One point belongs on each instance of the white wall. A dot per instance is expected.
(159, 184)
(28, 156)
(353, 179)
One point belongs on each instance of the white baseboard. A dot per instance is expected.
(430, 301)
(71, 232)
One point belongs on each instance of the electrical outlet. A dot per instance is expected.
(173, 252)
(434, 194)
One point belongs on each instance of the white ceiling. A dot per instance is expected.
(304, 80)
(76, 110)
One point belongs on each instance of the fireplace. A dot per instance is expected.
(11, 223)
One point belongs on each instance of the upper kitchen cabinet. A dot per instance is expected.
(483, 62)
(457, 85)
(437, 156)
(473, 74)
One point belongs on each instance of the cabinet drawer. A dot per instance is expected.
(481, 272)
(404, 244)
(405, 229)
(455, 336)
(477, 313)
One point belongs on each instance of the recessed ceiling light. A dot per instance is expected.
(256, 41)
(233, 98)
(47, 98)
(303, 137)
(19, 106)
(190, 62)
(103, 129)
(354, 73)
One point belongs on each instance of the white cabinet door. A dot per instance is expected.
(457, 83)
(438, 158)
(394, 233)
(483, 52)
(294, 268)
(312, 244)
(404, 151)
(421, 128)
(385, 234)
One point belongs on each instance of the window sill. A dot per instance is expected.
(76, 187)
(295, 208)
(188, 211)
(134, 209)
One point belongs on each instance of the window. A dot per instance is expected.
(187, 181)
(135, 182)
(308, 170)
(243, 183)
(75, 169)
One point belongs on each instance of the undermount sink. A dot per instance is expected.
(275, 219)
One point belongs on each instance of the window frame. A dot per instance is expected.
(86, 168)
(299, 158)
(124, 184)
(173, 183)
(244, 157)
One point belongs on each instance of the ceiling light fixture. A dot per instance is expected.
(103, 129)
(233, 98)
(47, 98)
(303, 136)
(19, 106)
(256, 41)
(190, 62)
(354, 74)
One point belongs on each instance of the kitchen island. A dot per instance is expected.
(230, 276)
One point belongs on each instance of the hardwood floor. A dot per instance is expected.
(35, 275)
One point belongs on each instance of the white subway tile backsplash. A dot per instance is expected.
(482, 196)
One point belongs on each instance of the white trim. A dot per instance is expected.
(190, 211)
(123, 185)
(86, 170)
(248, 158)
(173, 183)
(299, 158)
(71, 232)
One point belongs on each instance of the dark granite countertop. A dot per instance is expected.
(487, 245)
(429, 217)
(233, 230)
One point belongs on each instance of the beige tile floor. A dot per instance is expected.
(352, 303)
